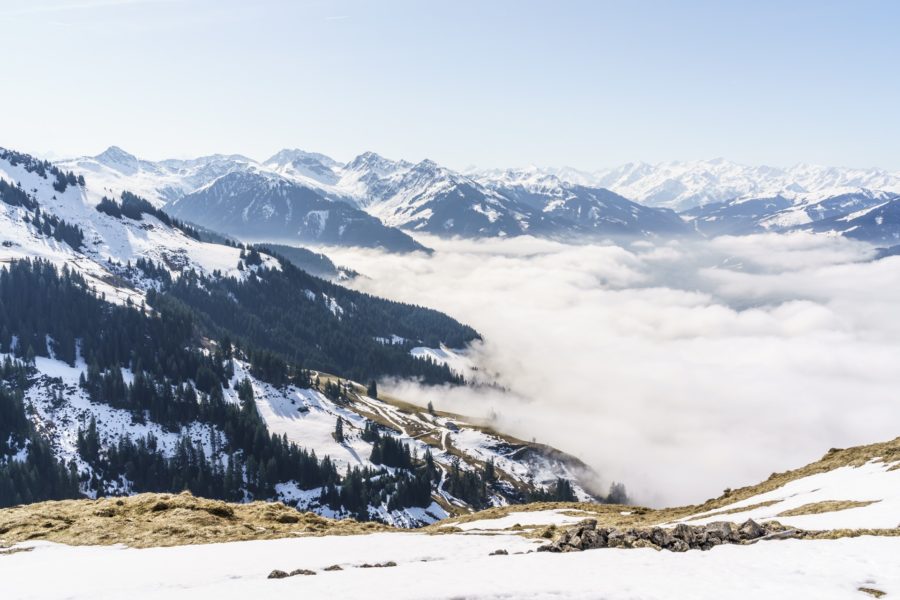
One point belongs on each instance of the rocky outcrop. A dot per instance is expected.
(587, 536)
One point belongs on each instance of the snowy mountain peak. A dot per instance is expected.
(308, 168)
(295, 155)
(376, 163)
(115, 155)
(116, 159)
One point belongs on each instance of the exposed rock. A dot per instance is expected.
(301, 572)
(278, 574)
(721, 530)
(681, 538)
(389, 563)
(500, 552)
(751, 530)
(334, 568)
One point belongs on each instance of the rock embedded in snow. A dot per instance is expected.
(587, 536)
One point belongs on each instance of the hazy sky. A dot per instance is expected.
(487, 83)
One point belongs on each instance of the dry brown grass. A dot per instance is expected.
(872, 592)
(150, 520)
(834, 534)
(815, 508)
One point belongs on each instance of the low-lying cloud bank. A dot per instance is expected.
(679, 368)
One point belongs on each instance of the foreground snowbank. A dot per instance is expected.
(452, 566)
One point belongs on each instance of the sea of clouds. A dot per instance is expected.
(679, 368)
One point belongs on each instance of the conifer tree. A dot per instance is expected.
(339, 431)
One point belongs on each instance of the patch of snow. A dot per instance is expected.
(456, 360)
(527, 519)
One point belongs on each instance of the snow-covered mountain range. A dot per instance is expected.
(685, 185)
(309, 197)
(299, 196)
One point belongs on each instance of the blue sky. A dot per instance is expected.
(487, 83)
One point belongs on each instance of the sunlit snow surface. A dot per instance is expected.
(874, 482)
(526, 520)
(452, 566)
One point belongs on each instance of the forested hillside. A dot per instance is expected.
(318, 324)
(172, 381)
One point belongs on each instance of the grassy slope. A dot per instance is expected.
(149, 520)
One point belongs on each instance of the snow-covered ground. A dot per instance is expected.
(455, 359)
(875, 482)
(525, 519)
(452, 566)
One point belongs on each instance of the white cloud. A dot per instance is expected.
(677, 368)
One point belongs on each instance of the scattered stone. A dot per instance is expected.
(389, 563)
(334, 568)
(278, 574)
(681, 538)
(500, 552)
(751, 530)
(301, 572)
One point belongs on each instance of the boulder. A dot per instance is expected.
(278, 574)
(723, 530)
(683, 532)
(660, 537)
(751, 530)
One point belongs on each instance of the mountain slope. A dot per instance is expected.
(787, 212)
(115, 170)
(575, 209)
(878, 224)
(267, 208)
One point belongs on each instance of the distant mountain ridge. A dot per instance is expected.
(370, 200)
(866, 215)
(685, 185)
(418, 197)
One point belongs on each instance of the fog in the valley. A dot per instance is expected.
(678, 368)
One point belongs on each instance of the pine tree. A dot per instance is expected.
(372, 390)
(339, 431)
